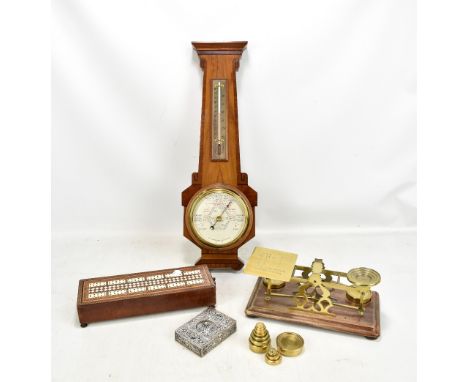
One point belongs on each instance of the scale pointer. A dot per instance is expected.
(218, 218)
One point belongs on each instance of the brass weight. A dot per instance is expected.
(290, 344)
(272, 356)
(259, 339)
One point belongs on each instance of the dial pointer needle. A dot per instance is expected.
(219, 216)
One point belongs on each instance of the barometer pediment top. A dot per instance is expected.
(208, 48)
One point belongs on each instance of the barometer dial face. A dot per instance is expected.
(219, 217)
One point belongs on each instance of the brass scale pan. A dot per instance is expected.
(362, 277)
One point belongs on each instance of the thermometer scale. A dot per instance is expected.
(219, 136)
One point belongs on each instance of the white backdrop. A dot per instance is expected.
(326, 96)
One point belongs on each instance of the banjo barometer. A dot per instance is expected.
(219, 205)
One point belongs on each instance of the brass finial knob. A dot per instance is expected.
(272, 356)
(259, 339)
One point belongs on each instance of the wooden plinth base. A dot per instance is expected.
(345, 320)
(220, 261)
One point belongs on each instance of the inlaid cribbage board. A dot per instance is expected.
(111, 297)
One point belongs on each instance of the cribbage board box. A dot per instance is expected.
(111, 297)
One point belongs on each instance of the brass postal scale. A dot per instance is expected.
(313, 295)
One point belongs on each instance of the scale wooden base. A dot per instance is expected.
(344, 320)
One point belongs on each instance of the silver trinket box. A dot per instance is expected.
(205, 331)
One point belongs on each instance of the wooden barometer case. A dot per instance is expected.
(219, 214)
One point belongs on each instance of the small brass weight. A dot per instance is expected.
(260, 342)
(315, 284)
(272, 356)
(259, 339)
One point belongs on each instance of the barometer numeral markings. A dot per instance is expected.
(223, 218)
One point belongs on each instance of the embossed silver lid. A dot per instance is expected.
(205, 331)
